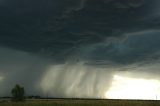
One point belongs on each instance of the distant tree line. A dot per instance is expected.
(34, 97)
(18, 94)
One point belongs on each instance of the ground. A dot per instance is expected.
(84, 102)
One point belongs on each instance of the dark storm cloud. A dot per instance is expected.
(86, 43)
(58, 28)
(135, 47)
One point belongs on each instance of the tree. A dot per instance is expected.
(18, 93)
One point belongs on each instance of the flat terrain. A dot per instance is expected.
(82, 102)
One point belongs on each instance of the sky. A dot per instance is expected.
(81, 48)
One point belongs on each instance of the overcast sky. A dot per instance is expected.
(81, 48)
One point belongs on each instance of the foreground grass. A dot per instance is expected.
(64, 102)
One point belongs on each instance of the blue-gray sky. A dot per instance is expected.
(75, 48)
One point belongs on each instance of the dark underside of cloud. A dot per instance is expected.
(78, 35)
(58, 28)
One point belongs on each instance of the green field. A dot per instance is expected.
(64, 102)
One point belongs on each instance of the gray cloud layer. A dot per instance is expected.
(37, 25)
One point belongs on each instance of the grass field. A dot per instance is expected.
(66, 102)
